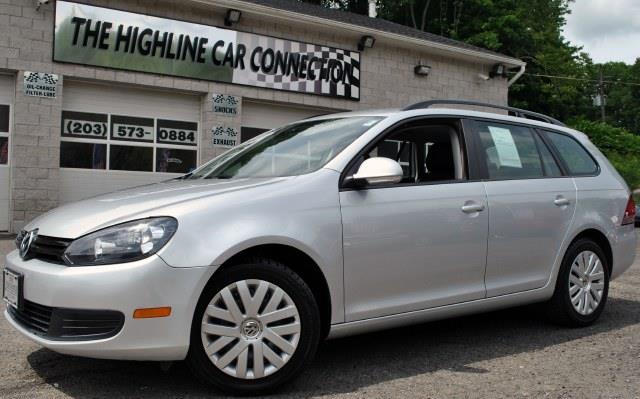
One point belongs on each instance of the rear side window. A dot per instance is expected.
(551, 168)
(510, 152)
(575, 157)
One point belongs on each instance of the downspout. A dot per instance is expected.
(517, 75)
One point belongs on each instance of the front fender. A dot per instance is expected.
(304, 214)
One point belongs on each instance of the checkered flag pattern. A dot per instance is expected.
(35, 77)
(225, 100)
(218, 131)
(219, 99)
(323, 84)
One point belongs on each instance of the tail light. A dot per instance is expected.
(630, 212)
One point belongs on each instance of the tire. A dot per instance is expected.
(247, 377)
(562, 308)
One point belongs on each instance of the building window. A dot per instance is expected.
(127, 143)
(4, 150)
(4, 118)
(247, 133)
(83, 155)
(4, 134)
(171, 160)
(124, 157)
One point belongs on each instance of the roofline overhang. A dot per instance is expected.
(443, 48)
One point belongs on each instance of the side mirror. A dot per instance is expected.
(379, 170)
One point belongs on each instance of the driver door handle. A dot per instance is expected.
(472, 208)
(561, 201)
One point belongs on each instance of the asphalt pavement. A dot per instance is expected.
(506, 354)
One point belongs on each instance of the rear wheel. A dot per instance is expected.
(255, 327)
(582, 286)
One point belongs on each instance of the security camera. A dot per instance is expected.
(40, 3)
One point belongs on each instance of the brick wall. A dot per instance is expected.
(26, 40)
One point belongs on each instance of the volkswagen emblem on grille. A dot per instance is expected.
(26, 242)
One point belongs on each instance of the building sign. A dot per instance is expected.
(105, 37)
(224, 136)
(39, 84)
(225, 104)
(177, 132)
(84, 125)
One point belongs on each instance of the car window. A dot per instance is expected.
(427, 153)
(575, 157)
(401, 151)
(551, 167)
(293, 150)
(510, 151)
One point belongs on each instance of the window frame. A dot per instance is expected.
(535, 131)
(467, 146)
(560, 160)
(108, 141)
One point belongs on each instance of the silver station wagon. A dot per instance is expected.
(331, 226)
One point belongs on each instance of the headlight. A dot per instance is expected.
(126, 242)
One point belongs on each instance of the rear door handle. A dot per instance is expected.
(561, 201)
(472, 207)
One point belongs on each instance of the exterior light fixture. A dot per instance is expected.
(498, 70)
(366, 42)
(422, 70)
(232, 17)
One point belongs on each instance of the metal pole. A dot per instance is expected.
(601, 94)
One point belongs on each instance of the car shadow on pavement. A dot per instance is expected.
(347, 364)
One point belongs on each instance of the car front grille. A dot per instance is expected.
(67, 324)
(48, 249)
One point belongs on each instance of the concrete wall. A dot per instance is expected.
(26, 40)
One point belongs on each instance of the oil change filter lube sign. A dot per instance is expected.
(105, 37)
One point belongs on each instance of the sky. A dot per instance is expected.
(609, 30)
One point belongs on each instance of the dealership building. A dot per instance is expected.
(101, 95)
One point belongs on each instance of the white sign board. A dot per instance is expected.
(38, 84)
(505, 147)
(224, 136)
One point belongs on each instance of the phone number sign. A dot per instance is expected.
(84, 125)
(132, 128)
(177, 132)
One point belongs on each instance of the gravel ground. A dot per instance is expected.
(505, 354)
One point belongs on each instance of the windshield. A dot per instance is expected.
(293, 150)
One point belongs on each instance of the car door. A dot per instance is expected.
(420, 243)
(531, 206)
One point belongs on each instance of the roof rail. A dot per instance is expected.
(520, 113)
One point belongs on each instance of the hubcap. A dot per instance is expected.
(586, 282)
(250, 329)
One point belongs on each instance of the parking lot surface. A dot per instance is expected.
(505, 354)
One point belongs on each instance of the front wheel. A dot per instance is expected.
(582, 286)
(255, 327)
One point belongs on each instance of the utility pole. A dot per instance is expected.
(602, 97)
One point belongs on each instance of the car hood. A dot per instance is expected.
(78, 218)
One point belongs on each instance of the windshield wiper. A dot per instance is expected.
(184, 177)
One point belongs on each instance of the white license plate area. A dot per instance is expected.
(11, 286)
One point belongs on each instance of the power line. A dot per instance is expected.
(583, 79)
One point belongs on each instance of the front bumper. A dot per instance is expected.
(124, 287)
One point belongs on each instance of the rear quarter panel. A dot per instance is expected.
(601, 202)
